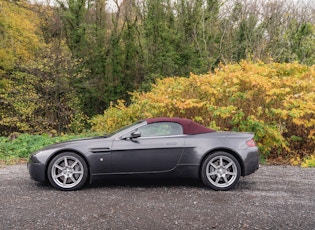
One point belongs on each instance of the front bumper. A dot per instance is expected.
(37, 171)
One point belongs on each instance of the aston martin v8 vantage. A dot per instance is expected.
(155, 147)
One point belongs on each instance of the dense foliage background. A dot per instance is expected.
(275, 101)
(64, 62)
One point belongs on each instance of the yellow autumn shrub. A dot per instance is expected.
(20, 39)
(275, 101)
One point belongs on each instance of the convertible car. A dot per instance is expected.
(155, 148)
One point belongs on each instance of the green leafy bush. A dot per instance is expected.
(309, 161)
(19, 148)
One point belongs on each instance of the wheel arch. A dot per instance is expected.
(233, 153)
(64, 151)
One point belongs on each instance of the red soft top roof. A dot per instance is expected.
(189, 126)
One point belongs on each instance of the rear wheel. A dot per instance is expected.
(220, 171)
(67, 171)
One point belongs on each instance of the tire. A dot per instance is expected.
(220, 171)
(67, 171)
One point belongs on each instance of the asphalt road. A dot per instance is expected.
(275, 197)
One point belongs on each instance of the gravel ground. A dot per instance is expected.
(275, 197)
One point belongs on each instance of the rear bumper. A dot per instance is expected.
(251, 162)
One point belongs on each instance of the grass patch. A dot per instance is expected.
(19, 149)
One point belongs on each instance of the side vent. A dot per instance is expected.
(100, 150)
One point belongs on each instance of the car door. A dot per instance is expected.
(157, 147)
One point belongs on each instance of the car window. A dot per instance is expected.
(161, 129)
(123, 128)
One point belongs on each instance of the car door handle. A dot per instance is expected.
(171, 143)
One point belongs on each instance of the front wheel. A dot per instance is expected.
(67, 171)
(220, 171)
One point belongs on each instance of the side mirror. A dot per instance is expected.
(135, 134)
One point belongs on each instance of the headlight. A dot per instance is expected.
(33, 158)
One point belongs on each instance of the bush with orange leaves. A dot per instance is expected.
(275, 101)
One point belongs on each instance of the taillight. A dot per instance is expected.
(251, 143)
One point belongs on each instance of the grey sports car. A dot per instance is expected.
(155, 148)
